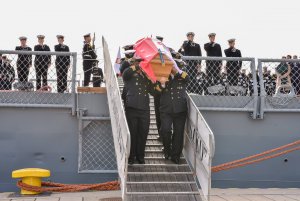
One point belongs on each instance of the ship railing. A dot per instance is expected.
(38, 79)
(119, 125)
(223, 83)
(279, 94)
(199, 148)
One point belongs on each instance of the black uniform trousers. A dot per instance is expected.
(138, 123)
(213, 70)
(62, 77)
(41, 71)
(23, 72)
(157, 112)
(173, 144)
(87, 68)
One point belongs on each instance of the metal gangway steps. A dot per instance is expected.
(159, 179)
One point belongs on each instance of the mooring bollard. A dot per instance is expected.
(31, 176)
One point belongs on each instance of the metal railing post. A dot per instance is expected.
(74, 83)
(255, 86)
(195, 151)
(262, 89)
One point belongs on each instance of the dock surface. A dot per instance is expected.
(78, 196)
(231, 194)
(256, 194)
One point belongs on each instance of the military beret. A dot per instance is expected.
(160, 38)
(211, 34)
(60, 36)
(22, 38)
(40, 36)
(87, 35)
(190, 33)
(231, 40)
(128, 47)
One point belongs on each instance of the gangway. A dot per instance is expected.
(160, 179)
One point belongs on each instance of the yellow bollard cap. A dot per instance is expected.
(30, 172)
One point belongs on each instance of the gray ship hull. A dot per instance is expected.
(237, 135)
(49, 138)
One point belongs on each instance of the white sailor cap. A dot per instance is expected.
(87, 35)
(231, 40)
(22, 38)
(129, 52)
(190, 33)
(40, 36)
(211, 34)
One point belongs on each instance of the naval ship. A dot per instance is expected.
(82, 135)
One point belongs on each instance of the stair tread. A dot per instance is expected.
(158, 178)
(162, 161)
(162, 188)
(156, 197)
(158, 169)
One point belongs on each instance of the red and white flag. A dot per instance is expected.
(148, 49)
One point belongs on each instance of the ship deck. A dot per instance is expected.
(231, 194)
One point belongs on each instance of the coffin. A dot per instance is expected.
(161, 69)
(157, 59)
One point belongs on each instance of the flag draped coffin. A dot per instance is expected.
(157, 59)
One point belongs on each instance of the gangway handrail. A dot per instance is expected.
(48, 53)
(199, 147)
(218, 58)
(119, 125)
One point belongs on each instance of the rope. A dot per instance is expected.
(57, 187)
(257, 158)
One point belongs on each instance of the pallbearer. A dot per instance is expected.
(125, 63)
(24, 61)
(129, 53)
(62, 64)
(89, 58)
(173, 112)
(137, 109)
(41, 62)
